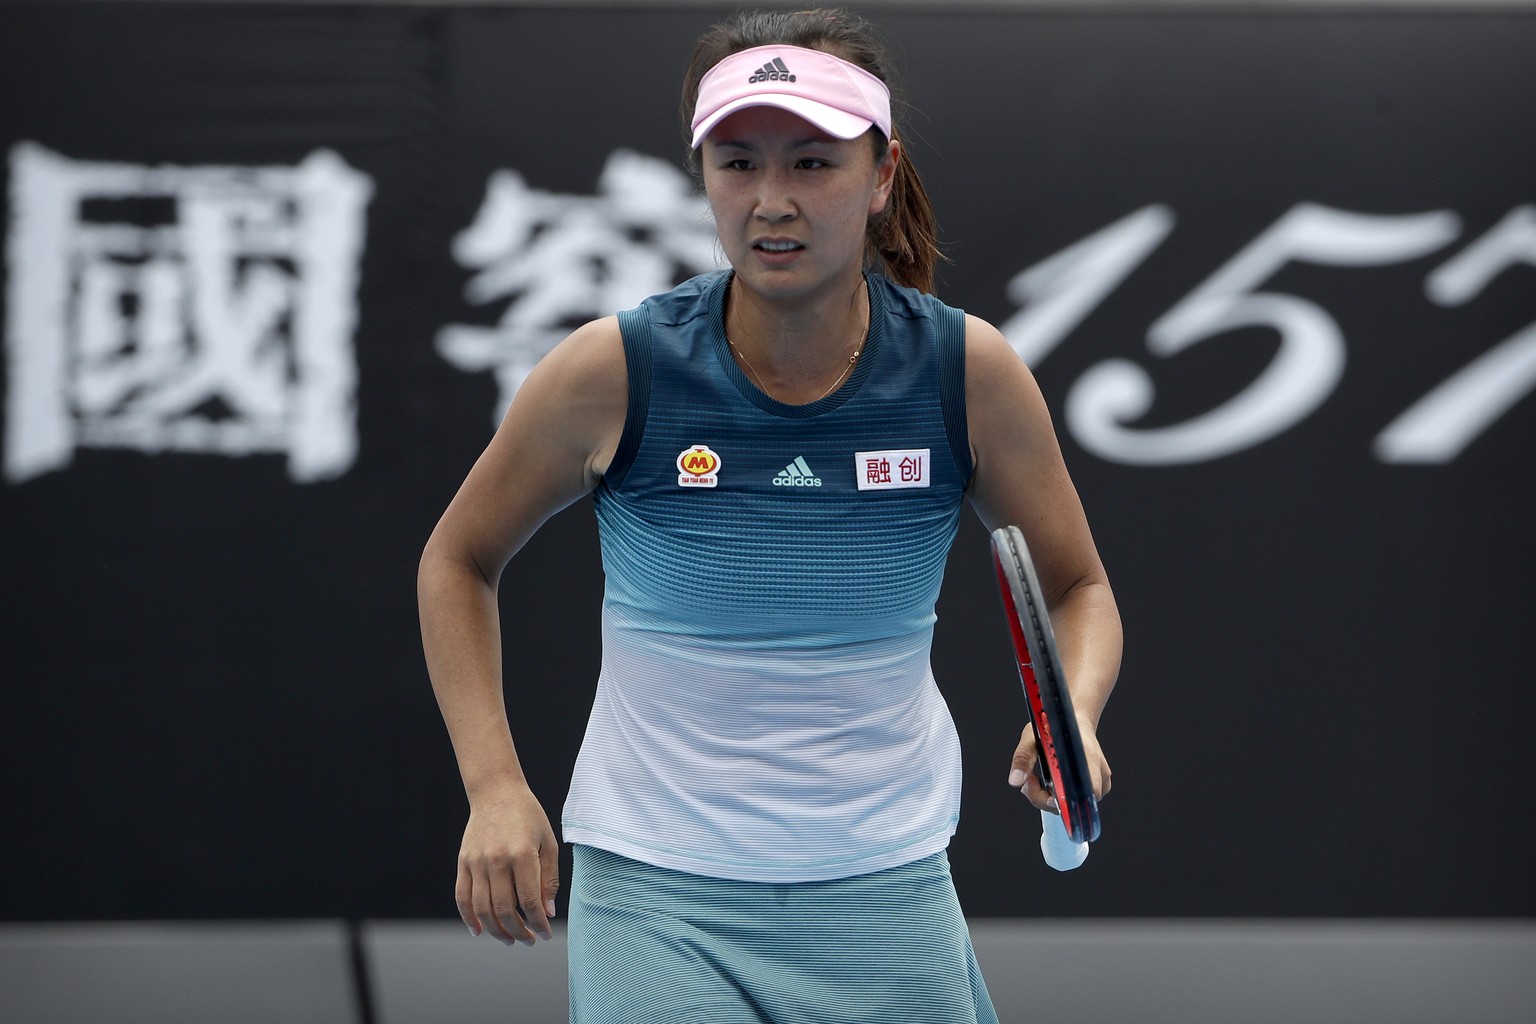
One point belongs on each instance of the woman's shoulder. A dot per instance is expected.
(692, 298)
(592, 354)
(905, 302)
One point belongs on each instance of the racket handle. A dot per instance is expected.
(1057, 847)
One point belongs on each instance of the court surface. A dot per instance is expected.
(1142, 971)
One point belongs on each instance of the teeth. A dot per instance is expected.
(778, 246)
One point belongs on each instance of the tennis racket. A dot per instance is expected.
(1062, 764)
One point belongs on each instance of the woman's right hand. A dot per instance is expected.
(509, 866)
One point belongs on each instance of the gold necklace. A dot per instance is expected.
(864, 337)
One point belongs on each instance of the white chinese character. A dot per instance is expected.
(563, 260)
(187, 309)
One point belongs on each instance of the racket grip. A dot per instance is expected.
(1057, 847)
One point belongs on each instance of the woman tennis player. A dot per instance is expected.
(778, 454)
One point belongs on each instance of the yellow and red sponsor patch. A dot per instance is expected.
(698, 467)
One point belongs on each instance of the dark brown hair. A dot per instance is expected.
(902, 242)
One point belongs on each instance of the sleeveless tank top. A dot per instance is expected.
(765, 709)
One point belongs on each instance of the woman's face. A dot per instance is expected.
(790, 201)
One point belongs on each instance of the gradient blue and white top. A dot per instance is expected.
(766, 710)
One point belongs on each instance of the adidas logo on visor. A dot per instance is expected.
(797, 474)
(774, 71)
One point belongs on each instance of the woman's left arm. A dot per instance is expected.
(1020, 480)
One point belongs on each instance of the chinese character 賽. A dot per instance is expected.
(563, 260)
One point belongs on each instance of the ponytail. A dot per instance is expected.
(903, 241)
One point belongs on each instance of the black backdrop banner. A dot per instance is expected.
(272, 272)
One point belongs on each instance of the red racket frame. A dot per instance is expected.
(1063, 763)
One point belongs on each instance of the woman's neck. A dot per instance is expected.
(802, 351)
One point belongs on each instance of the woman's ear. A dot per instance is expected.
(885, 176)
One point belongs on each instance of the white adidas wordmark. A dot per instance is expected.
(797, 474)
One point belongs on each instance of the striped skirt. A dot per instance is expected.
(653, 946)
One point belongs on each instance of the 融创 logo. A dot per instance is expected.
(896, 469)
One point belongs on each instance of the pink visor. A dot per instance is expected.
(840, 98)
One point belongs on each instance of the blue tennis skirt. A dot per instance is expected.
(652, 946)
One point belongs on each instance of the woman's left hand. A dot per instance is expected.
(1022, 775)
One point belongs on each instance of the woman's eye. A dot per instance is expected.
(738, 165)
(812, 163)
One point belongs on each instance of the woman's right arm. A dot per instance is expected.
(552, 447)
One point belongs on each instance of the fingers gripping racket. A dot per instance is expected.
(1061, 765)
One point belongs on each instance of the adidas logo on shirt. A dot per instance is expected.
(797, 474)
(774, 71)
